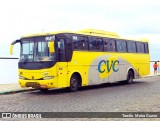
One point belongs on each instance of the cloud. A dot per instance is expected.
(138, 17)
(123, 16)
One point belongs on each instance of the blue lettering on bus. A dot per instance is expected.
(113, 67)
(108, 66)
(99, 66)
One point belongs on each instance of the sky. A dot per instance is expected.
(125, 17)
(128, 18)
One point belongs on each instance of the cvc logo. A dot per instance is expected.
(108, 66)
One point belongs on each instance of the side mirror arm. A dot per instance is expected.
(12, 44)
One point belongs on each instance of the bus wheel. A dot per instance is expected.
(130, 77)
(74, 83)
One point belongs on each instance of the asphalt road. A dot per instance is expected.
(142, 95)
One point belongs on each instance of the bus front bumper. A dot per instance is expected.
(43, 84)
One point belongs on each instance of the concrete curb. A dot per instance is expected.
(150, 76)
(16, 91)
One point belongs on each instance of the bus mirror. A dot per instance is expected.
(11, 49)
(12, 44)
(51, 46)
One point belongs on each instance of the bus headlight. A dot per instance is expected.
(21, 77)
(48, 77)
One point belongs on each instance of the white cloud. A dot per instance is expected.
(125, 17)
(33, 16)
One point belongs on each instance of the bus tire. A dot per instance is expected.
(130, 77)
(74, 83)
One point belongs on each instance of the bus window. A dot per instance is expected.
(121, 46)
(112, 46)
(99, 44)
(96, 44)
(61, 50)
(131, 46)
(92, 44)
(106, 44)
(80, 43)
(124, 46)
(140, 47)
(43, 48)
(27, 51)
(146, 48)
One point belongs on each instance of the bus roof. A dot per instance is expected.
(85, 32)
(90, 32)
(99, 33)
(137, 39)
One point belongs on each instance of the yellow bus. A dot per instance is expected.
(74, 59)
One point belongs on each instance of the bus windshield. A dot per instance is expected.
(35, 49)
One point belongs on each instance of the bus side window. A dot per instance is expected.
(81, 43)
(138, 47)
(142, 48)
(99, 44)
(92, 43)
(112, 46)
(96, 44)
(124, 46)
(61, 50)
(146, 48)
(121, 46)
(129, 46)
(133, 44)
(84, 43)
(106, 44)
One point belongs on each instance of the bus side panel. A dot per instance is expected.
(142, 65)
(62, 71)
(79, 64)
(81, 71)
(110, 68)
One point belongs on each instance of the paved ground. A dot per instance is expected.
(13, 88)
(9, 87)
(141, 96)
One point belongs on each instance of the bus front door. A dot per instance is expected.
(62, 67)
